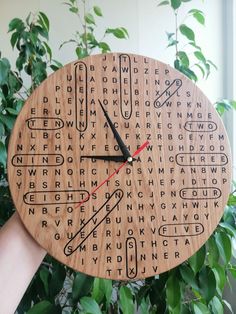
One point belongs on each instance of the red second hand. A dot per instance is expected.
(112, 175)
(140, 149)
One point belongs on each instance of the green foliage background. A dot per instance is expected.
(197, 285)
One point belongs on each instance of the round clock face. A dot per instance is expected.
(119, 166)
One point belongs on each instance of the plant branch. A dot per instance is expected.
(85, 28)
(176, 34)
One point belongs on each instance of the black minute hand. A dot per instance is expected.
(107, 158)
(123, 148)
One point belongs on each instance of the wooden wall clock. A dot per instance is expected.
(119, 166)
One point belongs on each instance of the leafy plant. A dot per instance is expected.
(29, 37)
(34, 54)
(224, 105)
(85, 39)
(201, 279)
(190, 56)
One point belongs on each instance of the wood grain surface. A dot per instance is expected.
(152, 214)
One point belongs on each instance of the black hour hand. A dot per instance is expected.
(123, 148)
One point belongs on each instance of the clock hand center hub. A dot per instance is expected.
(130, 159)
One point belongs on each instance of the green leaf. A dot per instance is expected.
(229, 215)
(81, 52)
(186, 71)
(224, 245)
(199, 55)
(201, 69)
(39, 72)
(187, 32)
(170, 35)
(230, 229)
(7, 120)
(175, 4)
(126, 300)
(3, 154)
(4, 70)
(44, 20)
(74, 10)
(34, 40)
(207, 283)
(20, 61)
(97, 292)
(198, 15)
(197, 260)
(16, 23)
(166, 2)
(107, 286)
(232, 102)
(183, 58)
(57, 65)
(43, 307)
(104, 46)
(173, 292)
(54, 67)
(213, 252)
(97, 10)
(117, 32)
(216, 306)
(82, 285)
(195, 46)
(144, 306)
(67, 42)
(172, 42)
(125, 31)
(89, 38)
(200, 308)
(2, 130)
(2, 97)
(90, 306)
(177, 64)
(44, 276)
(14, 82)
(188, 276)
(89, 19)
(14, 37)
(189, 73)
(28, 19)
(232, 197)
(57, 279)
(221, 107)
(208, 69)
(157, 291)
(48, 49)
(142, 293)
(12, 111)
(213, 64)
(220, 277)
(233, 271)
(40, 30)
(102, 287)
(19, 105)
